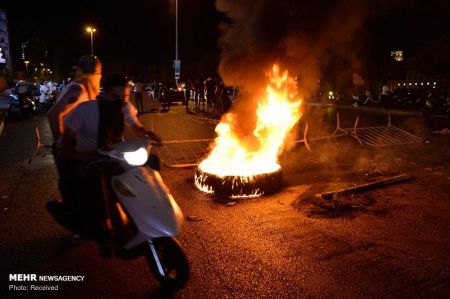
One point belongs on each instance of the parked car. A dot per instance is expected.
(176, 93)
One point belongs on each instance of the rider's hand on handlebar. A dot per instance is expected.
(154, 137)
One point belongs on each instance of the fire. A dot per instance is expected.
(277, 113)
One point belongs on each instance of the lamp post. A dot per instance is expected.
(176, 29)
(26, 67)
(91, 30)
(176, 63)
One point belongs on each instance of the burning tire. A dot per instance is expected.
(239, 186)
(243, 161)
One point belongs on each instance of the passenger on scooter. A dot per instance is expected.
(99, 124)
(85, 87)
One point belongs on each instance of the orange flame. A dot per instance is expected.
(277, 113)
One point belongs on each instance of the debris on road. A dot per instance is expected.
(230, 204)
(366, 187)
(443, 131)
(193, 218)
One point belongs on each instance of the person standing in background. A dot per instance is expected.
(138, 89)
(385, 97)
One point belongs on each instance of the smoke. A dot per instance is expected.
(309, 38)
(300, 35)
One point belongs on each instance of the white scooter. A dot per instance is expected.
(145, 216)
(144, 205)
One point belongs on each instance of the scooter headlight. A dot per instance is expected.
(136, 158)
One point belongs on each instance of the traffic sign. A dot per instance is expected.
(177, 67)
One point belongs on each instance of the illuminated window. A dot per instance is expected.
(397, 55)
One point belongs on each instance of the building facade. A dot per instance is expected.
(5, 53)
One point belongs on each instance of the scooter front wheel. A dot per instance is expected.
(168, 262)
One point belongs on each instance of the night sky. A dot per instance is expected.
(134, 35)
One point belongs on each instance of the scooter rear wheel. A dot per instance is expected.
(173, 262)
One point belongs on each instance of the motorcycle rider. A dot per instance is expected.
(99, 124)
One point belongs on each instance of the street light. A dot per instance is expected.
(176, 29)
(91, 30)
(176, 62)
(26, 67)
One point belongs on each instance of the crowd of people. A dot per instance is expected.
(207, 96)
(413, 99)
(43, 94)
(158, 95)
(210, 96)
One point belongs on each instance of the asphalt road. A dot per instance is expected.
(387, 243)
